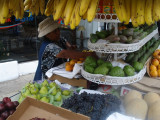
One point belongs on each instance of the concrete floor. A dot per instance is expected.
(10, 88)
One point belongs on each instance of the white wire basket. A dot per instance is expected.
(120, 47)
(109, 80)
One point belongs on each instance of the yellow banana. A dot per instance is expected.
(12, 4)
(1, 7)
(26, 2)
(59, 9)
(148, 12)
(123, 9)
(118, 10)
(84, 6)
(68, 11)
(37, 8)
(134, 13)
(84, 17)
(34, 2)
(73, 20)
(140, 12)
(128, 10)
(77, 16)
(156, 10)
(5, 10)
(21, 9)
(92, 9)
(27, 7)
(42, 6)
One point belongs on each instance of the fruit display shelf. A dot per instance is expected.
(109, 80)
(120, 47)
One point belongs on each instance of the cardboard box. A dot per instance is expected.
(31, 108)
(81, 82)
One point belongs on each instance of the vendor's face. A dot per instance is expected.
(55, 35)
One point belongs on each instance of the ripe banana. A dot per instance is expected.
(5, 10)
(73, 20)
(42, 6)
(37, 7)
(26, 2)
(140, 11)
(59, 9)
(21, 9)
(27, 7)
(84, 6)
(77, 16)
(134, 13)
(84, 17)
(49, 8)
(68, 11)
(118, 10)
(156, 10)
(128, 10)
(148, 12)
(55, 4)
(92, 9)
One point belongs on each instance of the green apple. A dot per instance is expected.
(43, 90)
(66, 92)
(52, 84)
(45, 83)
(58, 96)
(44, 99)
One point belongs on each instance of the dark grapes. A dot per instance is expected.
(96, 106)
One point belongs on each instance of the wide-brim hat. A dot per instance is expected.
(46, 26)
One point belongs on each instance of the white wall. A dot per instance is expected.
(12, 70)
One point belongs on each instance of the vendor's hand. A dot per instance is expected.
(71, 47)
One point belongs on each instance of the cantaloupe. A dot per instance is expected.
(137, 108)
(151, 97)
(132, 95)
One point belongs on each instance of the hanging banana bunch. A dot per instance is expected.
(50, 7)
(92, 9)
(140, 11)
(128, 11)
(148, 12)
(156, 10)
(68, 11)
(84, 6)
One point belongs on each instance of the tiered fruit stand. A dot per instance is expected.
(115, 48)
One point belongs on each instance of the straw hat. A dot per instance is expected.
(46, 26)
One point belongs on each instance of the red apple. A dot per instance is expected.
(2, 107)
(11, 112)
(2, 118)
(9, 105)
(16, 103)
(5, 114)
(6, 99)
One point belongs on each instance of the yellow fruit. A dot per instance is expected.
(79, 62)
(153, 73)
(81, 59)
(158, 67)
(153, 68)
(156, 54)
(155, 62)
(72, 62)
(69, 68)
(67, 63)
(158, 71)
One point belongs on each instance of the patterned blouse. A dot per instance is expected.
(49, 59)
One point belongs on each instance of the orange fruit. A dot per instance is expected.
(158, 67)
(67, 63)
(153, 73)
(79, 61)
(72, 62)
(155, 62)
(156, 53)
(152, 68)
(69, 68)
(158, 71)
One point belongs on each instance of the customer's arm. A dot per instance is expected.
(73, 54)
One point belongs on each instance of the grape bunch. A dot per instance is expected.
(36, 118)
(96, 106)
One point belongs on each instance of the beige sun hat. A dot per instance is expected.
(46, 26)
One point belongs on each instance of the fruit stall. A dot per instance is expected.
(121, 83)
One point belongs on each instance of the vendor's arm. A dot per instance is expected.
(73, 54)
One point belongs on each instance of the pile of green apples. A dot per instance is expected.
(46, 92)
